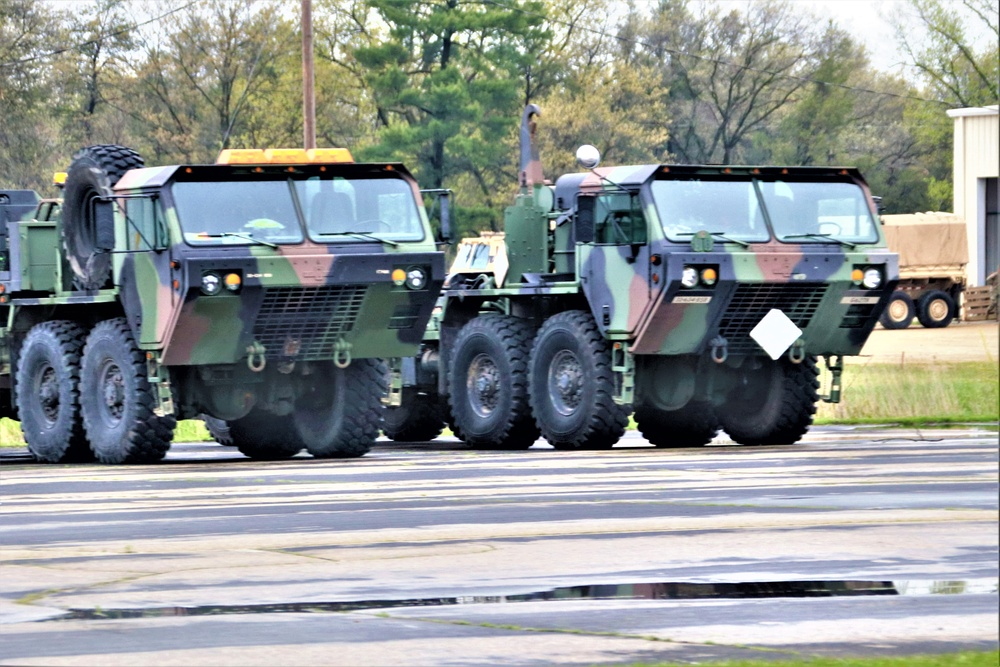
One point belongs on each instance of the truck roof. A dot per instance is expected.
(152, 177)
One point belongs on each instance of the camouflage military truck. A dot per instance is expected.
(699, 296)
(265, 290)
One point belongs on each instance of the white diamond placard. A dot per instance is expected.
(775, 333)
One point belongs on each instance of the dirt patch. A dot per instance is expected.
(962, 341)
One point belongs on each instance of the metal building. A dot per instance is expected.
(976, 177)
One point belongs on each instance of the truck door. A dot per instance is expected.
(145, 274)
(613, 261)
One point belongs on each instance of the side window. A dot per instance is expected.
(143, 224)
(618, 219)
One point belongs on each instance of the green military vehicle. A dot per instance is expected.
(266, 290)
(700, 296)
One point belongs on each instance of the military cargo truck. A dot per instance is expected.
(266, 290)
(933, 253)
(699, 296)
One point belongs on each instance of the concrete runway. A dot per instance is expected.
(857, 541)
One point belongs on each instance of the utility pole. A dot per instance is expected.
(308, 78)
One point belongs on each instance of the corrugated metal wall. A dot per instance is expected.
(977, 158)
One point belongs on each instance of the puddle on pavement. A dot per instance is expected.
(637, 591)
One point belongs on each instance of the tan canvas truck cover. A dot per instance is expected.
(930, 245)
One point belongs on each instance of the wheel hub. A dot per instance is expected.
(113, 391)
(566, 382)
(48, 394)
(937, 309)
(484, 385)
(897, 311)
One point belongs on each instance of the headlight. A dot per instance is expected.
(689, 277)
(872, 279)
(211, 284)
(416, 278)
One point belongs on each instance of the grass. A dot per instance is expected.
(911, 394)
(915, 394)
(962, 659)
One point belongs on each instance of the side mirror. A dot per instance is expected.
(104, 225)
(444, 200)
(585, 212)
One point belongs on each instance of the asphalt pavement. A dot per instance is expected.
(857, 541)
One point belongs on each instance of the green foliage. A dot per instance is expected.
(440, 85)
(916, 393)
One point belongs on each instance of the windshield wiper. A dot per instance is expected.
(237, 235)
(720, 235)
(821, 236)
(361, 235)
(248, 237)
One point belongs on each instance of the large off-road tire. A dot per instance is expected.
(265, 436)
(572, 385)
(773, 404)
(48, 392)
(116, 400)
(488, 383)
(898, 312)
(340, 417)
(936, 309)
(218, 429)
(694, 425)
(92, 174)
(418, 418)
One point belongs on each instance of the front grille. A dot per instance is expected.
(751, 302)
(858, 315)
(306, 322)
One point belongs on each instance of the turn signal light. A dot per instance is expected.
(233, 282)
(857, 275)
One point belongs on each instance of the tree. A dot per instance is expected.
(27, 142)
(199, 79)
(728, 73)
(443, 81)
(946, 55)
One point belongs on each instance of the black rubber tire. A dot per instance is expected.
(936, 309)
(341, 415)
(265, 436)
(488, 383)
(48, 392)
(572, 385)
(92, 174)
(694, 425)
(899, 312)
(419, 418)
(116, 400)
(774, 405)
(218, 429)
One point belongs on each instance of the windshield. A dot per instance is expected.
(727, 209)
(236, 212)
(799, 212)
(816, 212)
(264, 211)
(382, 207)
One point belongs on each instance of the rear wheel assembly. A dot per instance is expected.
(342, 420)
(694, 425)
(572, 385)
(899, 312)
(936, 309)
(488, 383)
(48, 392)
(116, 400)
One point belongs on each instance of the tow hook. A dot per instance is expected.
(720, 349)
(341, 354)
(256, 350)
(797, 352)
